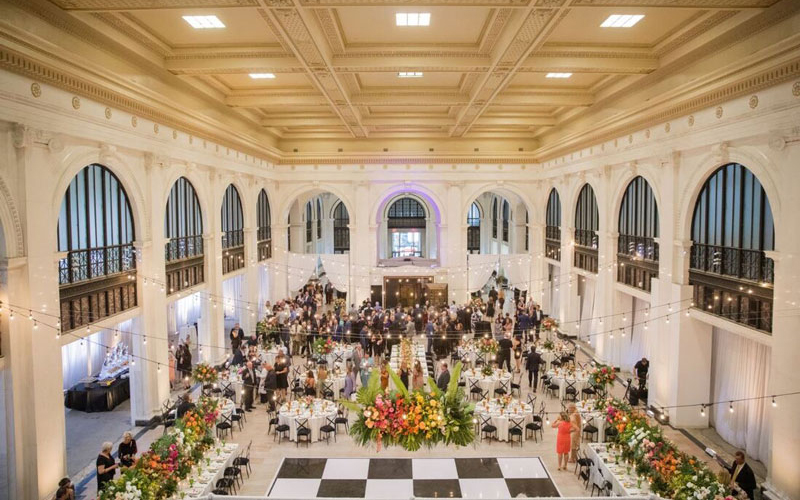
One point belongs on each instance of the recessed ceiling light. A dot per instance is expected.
(204, 22)
(262, 76)
(558, 75)
(409, 74)
(621, 20)
(413, 18)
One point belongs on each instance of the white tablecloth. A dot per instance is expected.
(205, 474)
(622, 476)
(345, 352)
(487, 384)
(586, 409)
(515, 410)
(316, 419)
(561, 378)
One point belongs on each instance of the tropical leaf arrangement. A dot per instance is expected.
(412, 419)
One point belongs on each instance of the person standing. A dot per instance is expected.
(429, 329)
(282, 376)
(504, 352)
(641, 368)
(742, 477)
(404, 374)
(575, 434)
(532, 363)
(106, 466)
(349, 382)
(563, 444)
(237, 336)
(444, 378)
(127, 450)
(417, 377)
(250, 380)
(183, 360)
(269, 384)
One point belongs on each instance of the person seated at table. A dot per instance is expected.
(310, 384)
(239, 356)
(66, 490)
(417, 377)
(253, 340)
(185, 405)
(127, 450)
(563, 441)
(106, 466)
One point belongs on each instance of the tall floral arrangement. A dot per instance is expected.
(157, 472)
(487, 346)
(324, 346)
(549, 323)
(204, 373)
(602, 375)
(412, 419)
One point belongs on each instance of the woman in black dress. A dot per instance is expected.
(404, 372)
(281, 376)
(106, 466)
(127, 450)
(184, 365)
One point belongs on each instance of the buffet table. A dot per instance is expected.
(98, 396)
(623, 478)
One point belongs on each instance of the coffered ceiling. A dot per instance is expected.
(483, 62)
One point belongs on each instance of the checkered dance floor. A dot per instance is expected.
(403, 478)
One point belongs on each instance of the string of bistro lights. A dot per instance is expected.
(773, 397)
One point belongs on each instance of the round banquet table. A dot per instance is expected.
(501, 418)
(226, 407)
(561, 378)
(343, 352)
(487, 384)
(317, 415)
(587, 411)
(337, 384)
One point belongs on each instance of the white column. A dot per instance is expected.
(279, 260)
(604, 295)
(212, 334)
(249, 316)
(454, 256)
(362, 246)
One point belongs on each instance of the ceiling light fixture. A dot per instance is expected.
(204, 22)
(409, 74)
(413, 18)
(622, 20)
(558, 75)
(262, 76)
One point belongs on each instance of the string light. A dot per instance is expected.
(702, 410)
(730, 407)
(774, 403)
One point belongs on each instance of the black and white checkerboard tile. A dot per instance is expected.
(403, 478)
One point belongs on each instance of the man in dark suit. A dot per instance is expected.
(742, 477)
(250, 380)
(237, 337)
(532, 364)
(444, 378)
(270, 386)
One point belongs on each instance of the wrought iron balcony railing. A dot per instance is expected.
(183, 247)
(233, 239)
(586, 238)
(91, 263)
(637, 247)
(740, 263)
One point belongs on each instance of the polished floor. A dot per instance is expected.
(399, 478)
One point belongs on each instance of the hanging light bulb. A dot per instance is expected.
(11, 315)
(58, 334)
(35, 325)
(133, 361)
(88, 329)
(645, 326)
(30, 315)
(144, 339)
(667, 320)
(702, 410)
(158, 367)
(730, 407)
(611, 335)
(774, 403)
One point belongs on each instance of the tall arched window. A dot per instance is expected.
(552, 234)
(264, 220)
(587, 222)
(309, 223)
(183, 229)
(527, 232)
(232, 231)
(319, 218)
(341, 229)
(474, 229)
(732, 228)
(637, 250)
(494, 218)
(506, 219)
(95, 228)
(406, 223)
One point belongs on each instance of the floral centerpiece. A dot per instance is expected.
(411, 419)
(548, 345)
(203, 373)
(487, 370)
(157, 472)
(602, 375)
(549, 323)
(487, 346)
(670, 472)
(324, 346)
(406, 353)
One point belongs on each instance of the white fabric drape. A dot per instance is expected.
(183, 312)
(517, 268)
(740, 369)
(625, 351)
(80, 361)
(263, 289)
(301, 267)
(336, 269)
(555, 302)
(587, 310)
(481, 268)
(233, 295)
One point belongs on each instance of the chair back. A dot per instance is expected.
(532, 400)
(570, 384)
(475, 384)
(331, 421)
(327, 386)
(486, 420)
(302, 423)
(504, 384)
(515, 422)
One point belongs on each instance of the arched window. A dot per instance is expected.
(732, 228)
(95, 228)
(506, 219)
(406, 223)
(319, 218)
(264, 221)
(341, 231)
(309, 223)
(494, 218)
(552, 235)
(232, 230)
(527, 232)
(183, 229)
(637, 250)
(289, 233)
(474, 229)
(587, 222)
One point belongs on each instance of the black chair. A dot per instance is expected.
(552, 389)
(515, 386)
(570, 392)
(602, 485)
(225, 484)
(532, 401)
(220, 491)
(167, 417)
(584, 466)
(281, 432)
(327, 390)
(297, 388)
(328, 429)
(487, 428)
(503, 388)
(515, 430)
(590, 430)
(589, 391)
(475, 388)
(225, 426)
(238, 416)
(234, 473)
(243, 460)
(533, 427)
(544, 381)
(341, 419)
(303, 432)
(272, 420)
(611, 433)
(338, 358)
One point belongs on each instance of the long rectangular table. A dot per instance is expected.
(623, 478)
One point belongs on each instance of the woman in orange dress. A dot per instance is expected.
(384, 376)
(563, 440)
